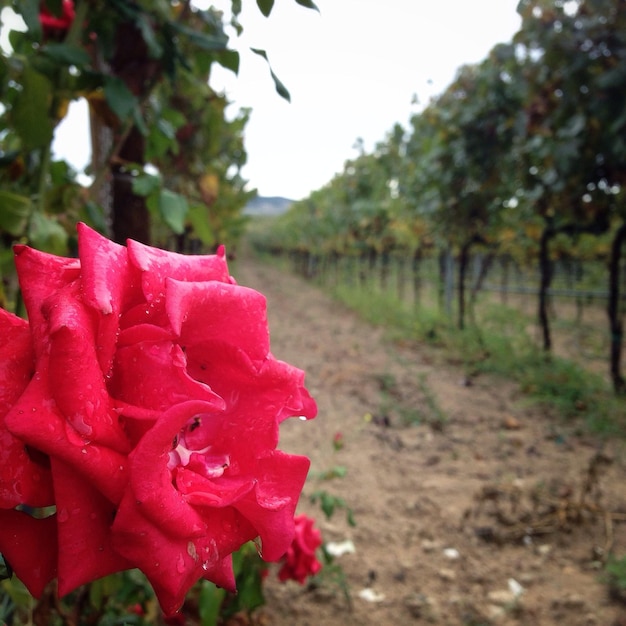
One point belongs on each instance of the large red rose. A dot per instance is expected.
(145, 382)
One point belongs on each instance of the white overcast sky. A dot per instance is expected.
(352, 69)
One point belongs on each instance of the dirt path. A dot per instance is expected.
(418, 554)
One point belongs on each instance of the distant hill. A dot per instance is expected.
(274, 205)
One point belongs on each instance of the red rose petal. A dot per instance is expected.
(202, 312)
(272, 384)
(17, 358)
(143, 332)
(171, 564)
(41, 274)
(222, 574)
(84, 519)
(218, 493)
(76, 381)
(151, 480)
(258, 395)
(174, 564)
(158, 265)
(108, 280)
(37, 422)
(153, 375)
(30, 547)
(109, 284)
(271, 506)
(23, 480)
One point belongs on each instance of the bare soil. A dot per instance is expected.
(482, 510)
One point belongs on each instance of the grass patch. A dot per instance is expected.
(500, 346)
(388, 311)
(438, 418)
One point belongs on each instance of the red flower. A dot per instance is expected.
(338, 441)
(300, 560)
(28, 544)
(146, 382)
(53, 25)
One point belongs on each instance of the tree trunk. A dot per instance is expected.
(448, 275)
(130, 217)
(401, 277)
(363, 262)
(417, 277)
(545, 272)
(504, 280)
(485, 266)
(613, 311)
(443, 283)
(133, 64)
(464, 257)
(384, 269)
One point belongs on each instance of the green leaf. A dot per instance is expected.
(94, 216)
(66, 54)
(55, 7)
(174, 117)
(47, 234)
(209, 603)
(14, 212)
(5, 569)
(249, 587)
(339, 471)
(30, 111)
(350, 518)
(172, 207)
(119, 97)
(203, 41)
(236, 6)
(155, 49)
(228, 59)
(160, 141)
(60, 173)
(29, 10)
(198, 218)
(574, 126)
(166, 128)
(327, 503)
(308, 4)
(280, 88)
(265, 6)
(145, 184)
(140, 122)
